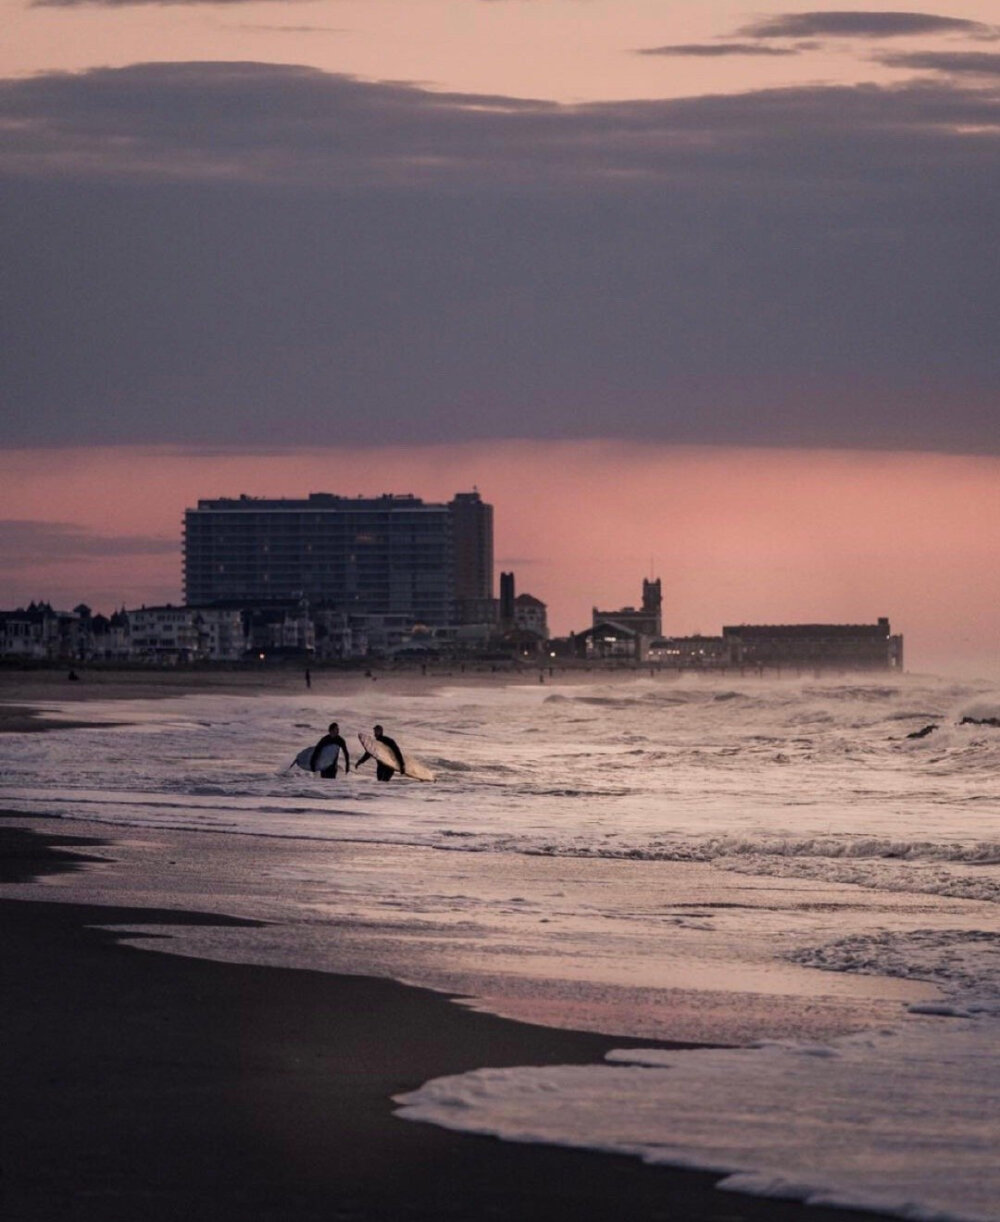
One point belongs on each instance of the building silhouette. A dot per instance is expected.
(816, 647)
(625, 633)
(472, 535)
(390, 555)
(642, 621)
(846, 646)
(506, 612)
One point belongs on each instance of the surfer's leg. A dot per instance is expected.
(329, 772)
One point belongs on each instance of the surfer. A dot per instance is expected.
(331, 739)
(382, 771)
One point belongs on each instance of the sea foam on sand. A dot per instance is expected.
(906, 1126)
(664, 858)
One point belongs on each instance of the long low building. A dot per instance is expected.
(759, 646)
(843, 646)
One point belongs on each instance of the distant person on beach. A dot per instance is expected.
(331, 739)
(382, 771)
(309, 679)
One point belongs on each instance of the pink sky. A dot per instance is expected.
(570, 50)
(862, 327)
(737, 535)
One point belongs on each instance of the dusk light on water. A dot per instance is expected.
(773, 865)
(593, 403)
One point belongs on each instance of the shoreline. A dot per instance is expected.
(141, 1084)
(28, 693)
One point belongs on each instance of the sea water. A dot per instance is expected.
(771, 865)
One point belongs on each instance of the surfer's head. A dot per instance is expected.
(377, 731)
(334, 728)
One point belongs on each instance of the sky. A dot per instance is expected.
(741, 257)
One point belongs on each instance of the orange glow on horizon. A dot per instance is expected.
(737, 535)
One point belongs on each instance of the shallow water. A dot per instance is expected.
(659, 857)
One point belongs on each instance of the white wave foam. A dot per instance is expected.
(783, 779)
(964, 963)
(875, 1121)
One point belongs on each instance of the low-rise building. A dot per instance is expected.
(169, 635)
(609, 640)
(530, 616)
(110, 638)
(839, 646)
(165, 635)
(644, 621)
(40, 633)
(626, 632)
(682, 651)
(221, 633)
(280, 628)
(22, 633)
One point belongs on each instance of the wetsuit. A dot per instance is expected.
(382, 771)
(335, 741)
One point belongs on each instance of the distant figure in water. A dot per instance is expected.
(330, 739)
(309, 679)
(73, 677)
(382, 771)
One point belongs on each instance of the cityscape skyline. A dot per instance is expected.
(707, 284)
(737, 536)
(702, 299)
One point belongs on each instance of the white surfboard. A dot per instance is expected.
(414, 769)
(327, 756)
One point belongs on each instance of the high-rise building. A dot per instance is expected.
(472, 535)
(386, 555)
(506, 600)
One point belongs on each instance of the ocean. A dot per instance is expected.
(771, 866)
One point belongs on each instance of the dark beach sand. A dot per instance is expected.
(51, 685)
(140, 1087)
(23, 719)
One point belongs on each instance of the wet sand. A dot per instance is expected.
(144, 1085)
(21, 689)
(28, 696)
(28, 719)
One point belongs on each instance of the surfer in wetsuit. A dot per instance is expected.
(330, 739)
(382, 771)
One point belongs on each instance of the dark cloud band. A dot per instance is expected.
(291, 127)
(951, 63)
(28, 543)
(850, 24)
(717, 50)
(267, 254)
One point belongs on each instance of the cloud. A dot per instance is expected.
(296, 126)
(225, 253)
(24, 542)
(952, 63)
(872, 24)
(711, 50)
(257, 122)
